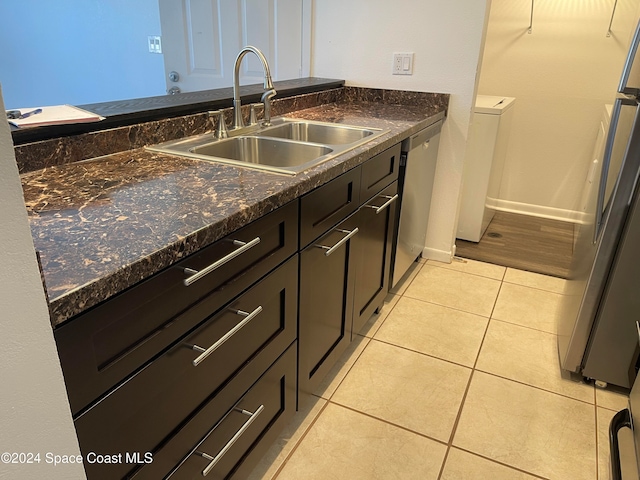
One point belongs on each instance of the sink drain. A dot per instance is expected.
(494, 235)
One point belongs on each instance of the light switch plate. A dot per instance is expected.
(402, 64)
(155, 44)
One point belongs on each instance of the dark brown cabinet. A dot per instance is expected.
(327, 205)
(201, 371)
(141, 414)
(327, 269)
(189, 343)
(228, 436)
(344, 274)
(379, 171)
(375, 221)
(105, 345)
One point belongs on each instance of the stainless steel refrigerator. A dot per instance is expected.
(596, 319)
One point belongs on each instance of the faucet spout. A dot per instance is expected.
(269, 91)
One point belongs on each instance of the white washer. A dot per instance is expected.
(484, 163)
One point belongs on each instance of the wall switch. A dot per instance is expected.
(155, 44)
(402, 64)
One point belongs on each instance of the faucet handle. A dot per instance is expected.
(221, 131)
(266, 100)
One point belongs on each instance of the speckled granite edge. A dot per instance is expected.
(48, 153)
(423, 110)
(79, 299)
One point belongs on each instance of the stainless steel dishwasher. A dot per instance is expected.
(415, 185)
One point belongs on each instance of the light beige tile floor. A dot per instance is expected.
(457, 378)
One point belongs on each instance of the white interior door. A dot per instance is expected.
(201, 39)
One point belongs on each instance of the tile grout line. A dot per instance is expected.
(519, 382)
(504, 274)
(614, 410)
(302, 437)
(450, 307)
(466, 391)
(471, 273)
(345, 375)
(595, 412)
(402, 427)
(529, 328)
(524, 326)
(531, 286)
(347, 407)
(423, 353)
(455, 426)
(511, 467)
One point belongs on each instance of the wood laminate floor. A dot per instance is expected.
(527, 243)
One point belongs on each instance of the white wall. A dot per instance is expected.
(34, 410)
(561, 75)
(355, 41)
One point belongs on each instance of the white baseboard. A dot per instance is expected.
(438, 255)
(552, 213)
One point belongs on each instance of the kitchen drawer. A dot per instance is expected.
(140, 414)
(268, 406)
(105, 345)
(327, 205)
(379, 171)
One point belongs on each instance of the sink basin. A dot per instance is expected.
(318, 133)
(288, 146)
(265, 151)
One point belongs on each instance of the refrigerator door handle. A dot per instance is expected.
(620, 420)
(606, 161)
(626, 71)
(608, 150)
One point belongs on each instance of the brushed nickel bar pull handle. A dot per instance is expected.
(205, 352)
(330, 250)
(214, 460)
(385, 205)
(217, 264)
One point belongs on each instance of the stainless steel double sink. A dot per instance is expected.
(288, 146)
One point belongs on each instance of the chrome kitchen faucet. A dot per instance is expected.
(269, 91)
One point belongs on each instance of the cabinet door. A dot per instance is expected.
(375, 240)
(326, 302)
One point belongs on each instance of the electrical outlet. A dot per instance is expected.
(155, 44)
(402, 64)
(397, 63)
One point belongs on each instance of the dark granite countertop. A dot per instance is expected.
(104, 224)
